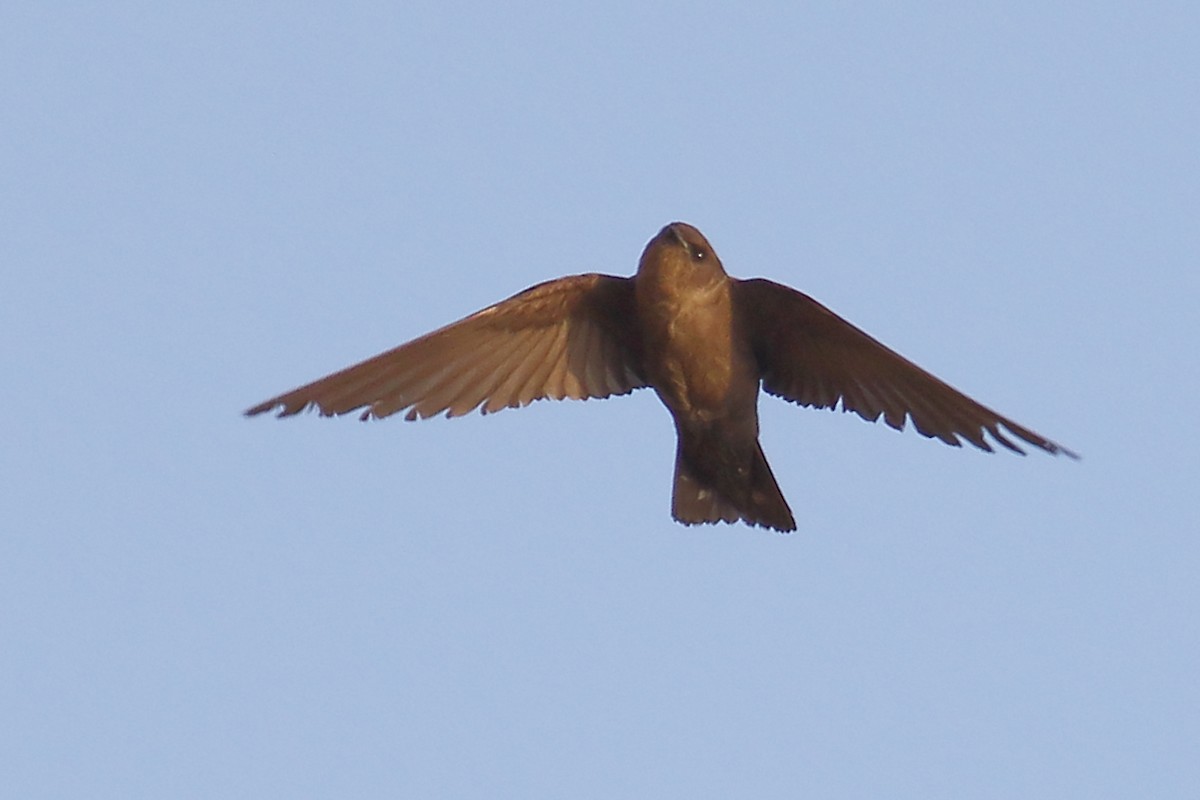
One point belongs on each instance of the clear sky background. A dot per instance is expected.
(202, 208)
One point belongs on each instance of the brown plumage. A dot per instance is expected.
(703, 341)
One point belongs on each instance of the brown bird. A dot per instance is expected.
(703, 341)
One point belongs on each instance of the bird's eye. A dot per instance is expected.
(699, 253)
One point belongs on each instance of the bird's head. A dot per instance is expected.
(680, 252)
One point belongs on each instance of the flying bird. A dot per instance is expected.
(703, 341)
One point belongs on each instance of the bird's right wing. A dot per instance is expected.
(568, 338)
(811, 356)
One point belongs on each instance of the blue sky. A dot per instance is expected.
(204, 207)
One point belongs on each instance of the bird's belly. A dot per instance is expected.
(698, 373)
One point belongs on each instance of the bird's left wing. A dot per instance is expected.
(811, 356)
(567, 338)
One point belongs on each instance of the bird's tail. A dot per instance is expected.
(713, 486)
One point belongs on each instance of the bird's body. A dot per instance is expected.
(703, 341)
(685, 316)
(704, 371)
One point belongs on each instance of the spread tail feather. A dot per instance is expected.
(720, 493)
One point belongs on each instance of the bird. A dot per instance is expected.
(705, 343)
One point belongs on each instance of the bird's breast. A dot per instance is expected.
(693, 360)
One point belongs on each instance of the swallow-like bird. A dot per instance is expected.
(705, 342)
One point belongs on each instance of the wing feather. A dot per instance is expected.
(569, 337)
(810, 356)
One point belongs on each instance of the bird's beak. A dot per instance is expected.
(673, 232)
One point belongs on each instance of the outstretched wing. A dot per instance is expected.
(572, 337)
(811, 356)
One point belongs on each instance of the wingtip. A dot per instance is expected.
(258, 409)
(271, 405)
